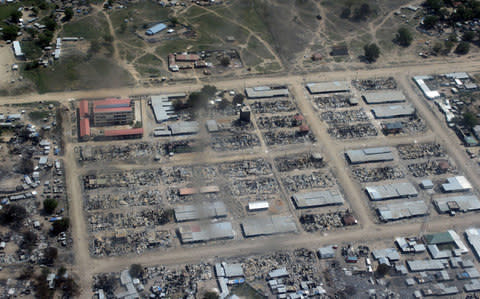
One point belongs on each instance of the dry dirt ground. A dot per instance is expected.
(368, 229)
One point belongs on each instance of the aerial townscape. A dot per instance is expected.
(239, 149)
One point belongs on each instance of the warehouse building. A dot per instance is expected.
(258, 226)
(205, 232)
(122, 134)
(393, 111)
(328, 87)
(427, 92)
(318, 199)
(457, 184)
(156, 29)
(17, 50)
(163, 108)
(258, 206)
(425, 265)
(384, 97)
(457, 203)
(259, 92)
(391, 191)
(202, 211)
(400, 210)
(113, 112)
(184, 128)
(366, 155)
(473, 238)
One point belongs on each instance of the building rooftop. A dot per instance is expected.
(204, 232)
(162, 106)
(390, 253)
(391, 191)
(383, 97)
(393, 111)
(84, 127)
(463, 203)
(328, 87)
(438, 238)
(473, 238)
(268, 225)
(233, 270)
(318, 198)
(266, 92)
(123, 132)
(200, 211)
(373, 154)
(184, 127)
(425, 265)
(457, 184)
(427, 92)
(83, 108)
(400, 210)
(156, 29)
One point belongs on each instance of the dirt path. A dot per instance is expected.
(262, 41)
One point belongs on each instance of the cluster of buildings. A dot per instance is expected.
(107, 113)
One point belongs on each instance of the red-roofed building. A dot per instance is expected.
(83, 109)
(84, 127)
(187, 57)
(124, 133)
(304, 129)
(113, 112)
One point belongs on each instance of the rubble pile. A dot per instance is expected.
(129, 219)
(122, 197)
(172, 196)
(412, 126)
(127, 152)
(122, 179)
(316, 179)
(260, 185)
(273, 106)
(321, 222)
(186, 174)
(360, 130)
(344, 117)
(431, 167)
(234, 142)
(332, 102)
(129, 241)
(420, 150)
(368, 175)
(274, 122)
(298, 162)
(245, 168)
(287, 137)
(375, 84)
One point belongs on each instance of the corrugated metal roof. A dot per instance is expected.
(200, 211)
(187, 57)
(457, 184)
(257, 226)
(84, 127)
(206, 232)
(383, 97)
(184, 127)
(258, 205)
(399, 210)
(318, 198)
(425, 265)
(266, 92)
(374, 154)
(123, 132)
(156, 29)
(328, 87)
(393, 111)
(465, 203)
(83, 108)
(391, 191)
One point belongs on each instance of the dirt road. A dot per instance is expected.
(368, 230)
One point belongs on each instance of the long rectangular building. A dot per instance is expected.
(318, 199)
(202, 211)
(462, 203)
(328, 87)
(162, 106)
(258, 226)
(393, 111)
(425, 265)
(400, 210)
(113, 112)
(205, 232)
(258, 92)
(391, 191)
(366, 155)
(384, 97)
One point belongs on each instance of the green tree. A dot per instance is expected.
(238, 99)
(430, 21)
(449, 44)
(372, 52)
(382, 270)
(345, 13)
(49, 205)
(50, 23)
(437, 47)
(50, 254)
(60, 225)
(209, 91)
(15, 16)
(362, 12)
(13, 215)
(225, 61)
(136, 271)
(174, 21)
(470, 119)
(211, 295)
(404, 37)
(468, 36)
(462, 48)
(10, 32)
(435, 4)
(68, 13)
(45, 38)
(29, 240)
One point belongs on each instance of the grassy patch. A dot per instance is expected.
(91, 28)
(255, 46)
(149, 59)
(147, 71)
(38, 114)
(31, 49)
(75, 72)
(250, 59)
(247, 291)
(172, 46)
